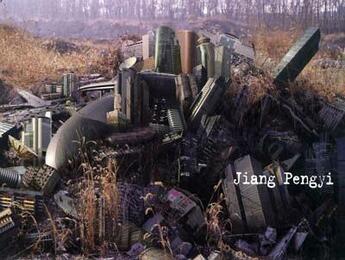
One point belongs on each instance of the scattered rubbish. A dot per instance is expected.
(175, 157)
(332, 114)
(21, 149)
(42, 179)
(167, 51)
(22, 200)
(7, 226)
(10, 178)
(66, 203)
(154, 253)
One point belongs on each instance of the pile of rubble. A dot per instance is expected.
(190, 152)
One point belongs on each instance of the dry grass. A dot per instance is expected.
(25, 62)
(99, 202)
(272, 46)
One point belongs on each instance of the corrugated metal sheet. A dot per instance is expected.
(5, 127)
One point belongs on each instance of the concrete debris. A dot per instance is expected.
(175, 157)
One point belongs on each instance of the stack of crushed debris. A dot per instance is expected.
(190, 152)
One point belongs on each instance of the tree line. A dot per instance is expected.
(328, 14)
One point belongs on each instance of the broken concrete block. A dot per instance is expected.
(297, 57)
